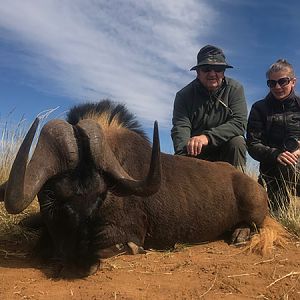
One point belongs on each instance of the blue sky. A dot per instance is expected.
(57, 53)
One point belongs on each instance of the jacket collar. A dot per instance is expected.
(214, 93)
(287, 101)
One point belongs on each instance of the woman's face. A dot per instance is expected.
(281, 84)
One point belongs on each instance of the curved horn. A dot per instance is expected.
(2, 191)
(105, 159)
(55, 152)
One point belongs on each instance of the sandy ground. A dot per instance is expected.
(208, 271)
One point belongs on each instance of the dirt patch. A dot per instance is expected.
(209, 271)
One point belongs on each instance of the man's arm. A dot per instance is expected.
(181, 130)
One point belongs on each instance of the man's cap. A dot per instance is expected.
(211, 55)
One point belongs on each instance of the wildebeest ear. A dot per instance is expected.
(2, 191)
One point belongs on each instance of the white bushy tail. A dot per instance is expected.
(271, 234)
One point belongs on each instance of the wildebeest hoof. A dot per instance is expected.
(135, 249)
(112, 251)
(128, 248)
(240, 235)
(78, 272)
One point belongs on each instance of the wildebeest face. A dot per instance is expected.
(69, 204)
(66, 171)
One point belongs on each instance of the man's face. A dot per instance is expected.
(211, 76)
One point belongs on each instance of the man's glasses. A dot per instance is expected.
(217, 69)
(282, 82)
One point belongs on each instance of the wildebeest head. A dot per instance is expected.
(71, 171)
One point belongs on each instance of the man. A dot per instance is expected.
(273, 135)
(210, 113)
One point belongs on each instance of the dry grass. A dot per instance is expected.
(9, 228)
(11, 138)
(289, 215)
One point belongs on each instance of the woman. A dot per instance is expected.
(273, 133)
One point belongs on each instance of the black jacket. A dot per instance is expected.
(270, 122)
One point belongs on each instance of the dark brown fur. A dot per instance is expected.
(198, 200)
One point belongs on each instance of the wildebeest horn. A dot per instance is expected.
(105, 159)
(2, 191)
(55, 152)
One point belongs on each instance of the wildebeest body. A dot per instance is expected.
(198, 200)
(92, 208)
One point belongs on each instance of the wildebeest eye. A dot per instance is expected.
(50, 194)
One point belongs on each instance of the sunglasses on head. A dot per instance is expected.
(281, 81)
(216, 69)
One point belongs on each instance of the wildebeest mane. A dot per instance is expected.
(108, 114)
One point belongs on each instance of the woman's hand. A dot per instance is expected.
(288, 158)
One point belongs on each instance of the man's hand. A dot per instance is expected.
(288, 158)
(195, 144)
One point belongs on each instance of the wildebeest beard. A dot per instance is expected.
(69, 205)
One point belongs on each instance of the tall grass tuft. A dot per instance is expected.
(11, 139)
(289, 214)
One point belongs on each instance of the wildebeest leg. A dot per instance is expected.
(252, 200)
(241, 234)
(118, 249)
(126, 236)
(112, 251)
(252, 203)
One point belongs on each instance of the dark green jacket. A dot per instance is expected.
(220, 115)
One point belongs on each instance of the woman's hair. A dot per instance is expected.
(279, 65)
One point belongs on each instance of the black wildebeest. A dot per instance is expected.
(99, 197)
